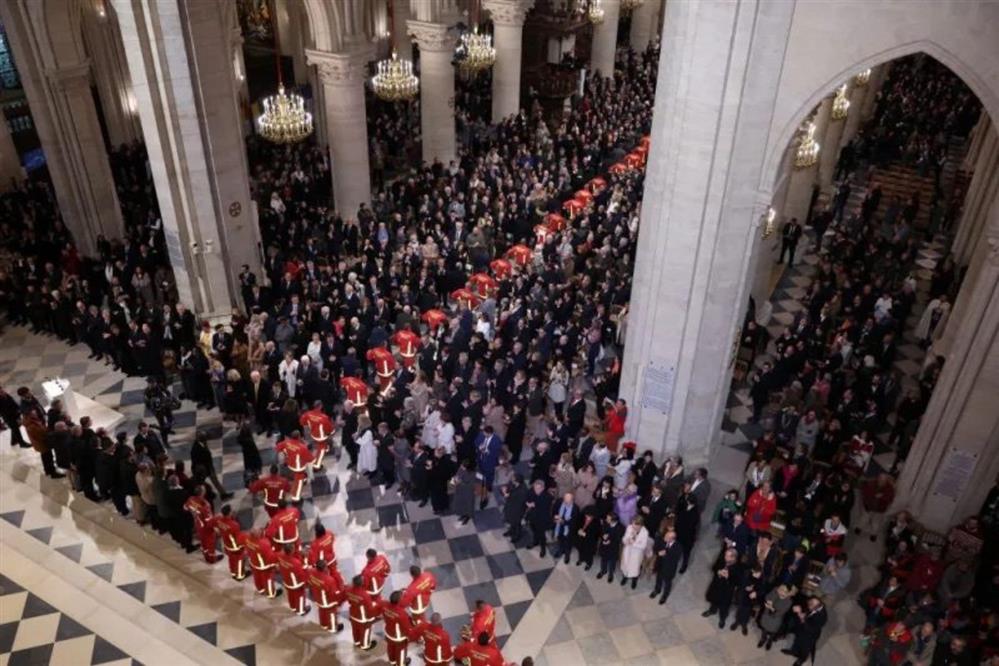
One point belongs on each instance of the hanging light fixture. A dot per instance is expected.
(475, 51)
(807, 153)
(862, 78)
(595, 12)
(394, 80)
(284, 119)
(840, 105)
(631, 5)
(768, 223)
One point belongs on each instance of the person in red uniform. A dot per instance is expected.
(204, 523)
(263, 562)
(520, 254)
(273, 486)
(364, 611)
(436, 641)
(356, 390)
(399, 630)
(465, 297)
(375, 572)
(384, 363)
(298, 457)
(501, 268)
(233, 541)
(408, 343)
(320, 428)
(434, 319)
(417, 595)
(321, 548)
(483, 285)
(327, 590)
(484, 621)
(293, 578)
(283, 526)
(481, 652)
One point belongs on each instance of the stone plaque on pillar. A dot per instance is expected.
(954, 474)
(657, 386)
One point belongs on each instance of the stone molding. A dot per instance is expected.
(508, 12)
(340, 68)
(431, 36)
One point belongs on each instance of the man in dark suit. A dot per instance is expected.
(610, 546)
(806, 624)
(576, 413)
(667, 552)
(790, 235)
(150, 440)
(565, 518)
(700, 488)
(514, 507)
(539, 514)
(584, 448)
(653, 509)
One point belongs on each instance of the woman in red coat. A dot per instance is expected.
(614, 424)
(760, 508)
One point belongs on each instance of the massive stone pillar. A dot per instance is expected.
(642, 25)
(803, 178)
(605, 39)
(103, 41)
(290, 33)
(878, 75)
(56, 78)
(981, 191)
(401, 42)
(975, 140)
(436, 89)
(179, 58)
(830, 141)
(342, 77)
(858, 98)
(508, 36)
(954, 458)
(704, 197)
(11, 171)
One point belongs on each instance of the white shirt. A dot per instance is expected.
(445, 437)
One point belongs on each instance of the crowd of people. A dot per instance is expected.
(458, 338)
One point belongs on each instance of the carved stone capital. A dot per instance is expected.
(339, 68)
(70, 75)
(431, 36)
(508, 12)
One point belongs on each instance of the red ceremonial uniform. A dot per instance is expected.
(574, 206)
(399, 631)
(364, 610)
(501, 268)
(204, 525)
(283, 527)
(274, 487)
(321, 550)
(466, 297)
(320, 428)
(484, 620)
(263, 561)
(298, 457)
(417, 594)
(375, 572)
(356, 390)
(483, 285)
(233, 543)
(584, 196)
(436, 643)
(434, 319)
(384, 362)
(543, 232)
(520, 254)
(326, 588)
(596, 184)
(478, 655)
(293, 577)
(555, 222)
(408, 343)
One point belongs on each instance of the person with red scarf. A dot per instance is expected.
(760, 508)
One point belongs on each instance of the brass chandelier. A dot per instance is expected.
(807, 153)
(840, 104)
(862, 78)
(394, 80)
(595, 12)
(284, 118)
(475, 52)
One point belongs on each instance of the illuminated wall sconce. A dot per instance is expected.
(840, 105)
(807, 153)
(768, 223)
(862, 78)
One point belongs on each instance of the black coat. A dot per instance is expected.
(201, 455)
(540, 515)
(808, 631)
(667, 558)
(722, 589)
(610, 540)
(515, 505)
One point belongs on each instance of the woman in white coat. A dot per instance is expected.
(367, 455)
(288, 373)
(933, 320)
(636, 538)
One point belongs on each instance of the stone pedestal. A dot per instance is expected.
(508, 36)
(605, 39)
(702, 207)
(342, 77)
(436, 90)
(643, 25)
(180, 60)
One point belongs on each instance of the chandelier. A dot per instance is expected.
(284, 119)
(475, 52)
(394, 80)
(768, 223)
(631, 5)
(862, 78)
(807, 153)
(840, 105)
(595, 12)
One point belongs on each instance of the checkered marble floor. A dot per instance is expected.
(33, 631)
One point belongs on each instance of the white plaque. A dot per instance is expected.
(954, 474)
(657, 386)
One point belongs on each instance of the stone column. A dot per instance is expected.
(953, 460)
(976, 139)
(830, 142)
(436, 90)
(179, 57)
(878, 75)
(401, 42)
(658, 7)
(981, 190)
(342, 77)
(289, 28)
(508, 36)
(11, 171)
(704, 197)
(642, 25)
(858, 97)
(802, 181)
(605, 40)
